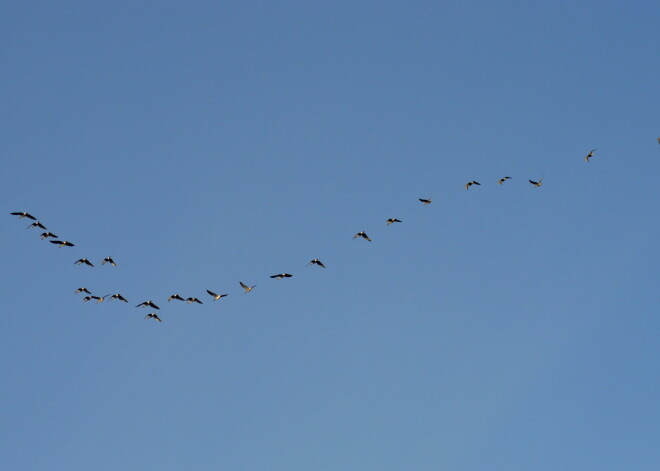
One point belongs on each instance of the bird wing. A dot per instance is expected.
(243, 285)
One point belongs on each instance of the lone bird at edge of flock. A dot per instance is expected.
(22, 215)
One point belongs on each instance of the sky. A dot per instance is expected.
(506, 327)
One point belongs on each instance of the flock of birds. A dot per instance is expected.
(215, 296)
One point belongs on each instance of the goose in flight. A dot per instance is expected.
(538, 183)
(425, 201)
(281, 275)
(175, 296)
(246, 287)
(363, 235)
(45, 235)
(469, 184)
(83, 261)
(154, 316)
(502, 180)
(148, 304)
(589, 155)
(83, 290)
(62, 243)
(89, 298)
(392, 221)
(118, 296)
(23, 215)
(216, 296)
(109, 260)
(193, 300)
(37, 224)
(316, 261)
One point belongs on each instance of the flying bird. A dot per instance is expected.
(281, 275)
(538, 183)
(83, 261)
(153, 315)
(24, 215)
(118, 296)
(89, 298)
(109, 260)
(175, 296)
(83, 290)
(363, 235)
(62, 243)
(589, 155)
(193, 300)
(148, 304)
(216, 296)
(45, 235)
(316, 261)
(246, 287)
(425, 201)
(502, 180)
(37, 224)
(469, 184)
(392, 220)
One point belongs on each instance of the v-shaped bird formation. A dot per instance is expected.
(60, 243)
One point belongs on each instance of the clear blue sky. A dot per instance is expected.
(205, 143)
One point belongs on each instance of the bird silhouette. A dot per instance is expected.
(37, 224)
(62, 243)
(363, 235)
(83, 261)
(538, 183)
(148, 304)
(154, 316)
(589, 155)
(469, 184)
(102, 298)
(502, 180)
(281, 275)
(216, 296)
(425, 201)
(118, 296)
(175, 296)
(193, 300)
(83, 290)
(89, 298)
(246, 287)
(45, 235)
(23, 215)
(316, 261)
(392, 220)
(109, 260)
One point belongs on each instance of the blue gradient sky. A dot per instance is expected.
(502, 328)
